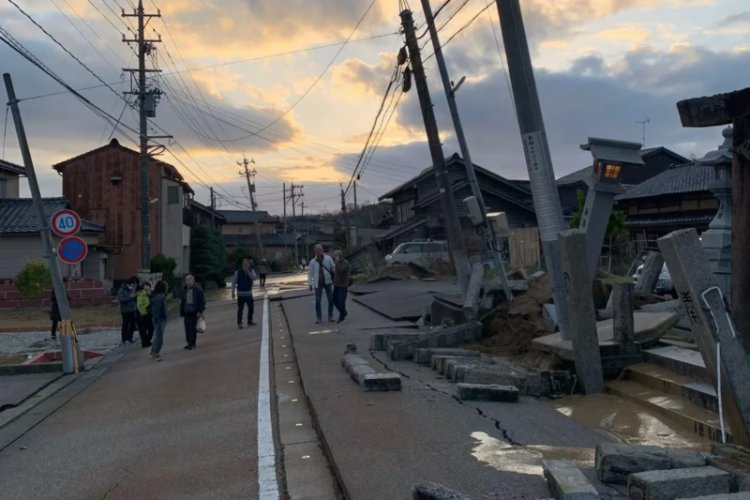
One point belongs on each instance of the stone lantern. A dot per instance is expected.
(610, 158)
(717, 240)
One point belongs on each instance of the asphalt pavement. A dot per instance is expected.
(382, 444)
(185, 427)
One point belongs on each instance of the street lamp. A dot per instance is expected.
(610, 157)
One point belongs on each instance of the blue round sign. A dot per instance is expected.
(72, 250)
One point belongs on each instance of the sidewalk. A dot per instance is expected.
(381, 444)
(181, 428)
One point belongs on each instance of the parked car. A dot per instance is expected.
(423, 253)
(664, 284)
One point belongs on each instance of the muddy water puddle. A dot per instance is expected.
(629, 422)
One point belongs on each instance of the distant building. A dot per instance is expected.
(657, 160)
(104, 186)
(203, 216)
(20, 239)
(677, 198)
(418, 213)
(9, 174)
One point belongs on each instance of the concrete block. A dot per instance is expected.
(349, 360)
(567, 482)
(537, 275)
(440, 362)
(424, 355)
(452, 364)
(379, 341)
(381, 382)
(433, 491)
(493, 375)
(358, 372)
(481, 392)
(615, 461)
(678, 483)
(445, 337)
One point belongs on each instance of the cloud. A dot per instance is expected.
(735, 19)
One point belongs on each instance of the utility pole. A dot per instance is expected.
(448, 202)
(68, 339)
(213, 209)
(249, 175)
(147, 98)
(538, 160)
(283, 194)
(294, 222)
(450, 93)
(347, 227)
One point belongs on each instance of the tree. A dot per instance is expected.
(33, 279)
(208, 257)
(165, 265)
(615, 227)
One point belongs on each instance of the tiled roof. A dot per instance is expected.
(686, 219)
(449, 161)
(574, 177)
(246, 216)
(12, 168)
(688, 178)
(18, 216)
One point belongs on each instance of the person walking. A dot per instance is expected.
(54, 314)
(263, 271)
(126, 298)
(320, 278)
(242, 288)
(144, 317)
(340, 283)
(192, 305)
(159, 315)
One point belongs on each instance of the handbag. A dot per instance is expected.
(200, 327)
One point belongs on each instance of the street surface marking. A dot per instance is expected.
(267, 484)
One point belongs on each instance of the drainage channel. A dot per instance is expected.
(306, 469)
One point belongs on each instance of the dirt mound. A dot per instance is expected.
(511, 327)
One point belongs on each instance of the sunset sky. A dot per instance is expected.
(232, 67)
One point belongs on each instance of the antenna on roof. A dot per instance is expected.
(643, 123)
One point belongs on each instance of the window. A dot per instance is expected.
(173, 195)
(3, 188)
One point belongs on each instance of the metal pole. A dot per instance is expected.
(448, 202)
(213, 209)
(50, 253)
(450, 93)
(251, 189)
(538, 161)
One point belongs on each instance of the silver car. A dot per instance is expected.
(424, 253)
(664, 284)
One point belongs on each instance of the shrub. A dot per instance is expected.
(33, 279)
(165, 265)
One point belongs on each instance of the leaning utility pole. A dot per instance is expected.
(147, 98)
(448, 202)
(347, 226)
(450, 93)
(68, 340)
(249, 175)
(283, 195)
(538, 160)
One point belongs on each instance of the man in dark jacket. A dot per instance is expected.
(126, 297)
(192, 305)
(340, 283)
(242, 288)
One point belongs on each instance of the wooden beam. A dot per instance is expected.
(719, 109)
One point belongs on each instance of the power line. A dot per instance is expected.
(320, 76)
(457, 32)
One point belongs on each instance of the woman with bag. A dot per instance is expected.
(192, 305)
(341, 282)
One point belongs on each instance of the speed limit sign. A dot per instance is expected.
(65, 222)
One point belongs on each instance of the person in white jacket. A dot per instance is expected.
(320, 278)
